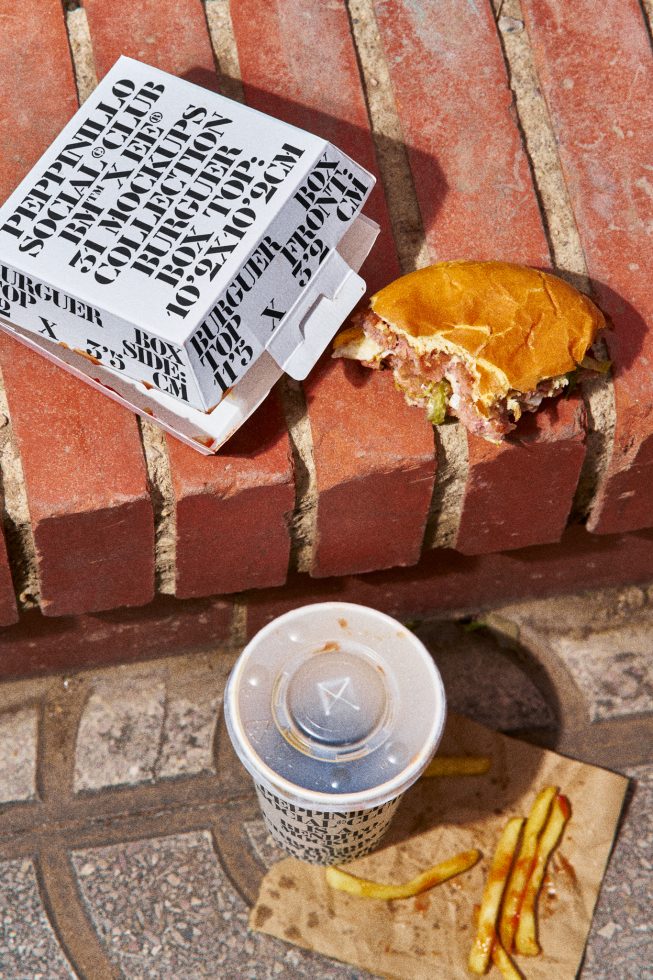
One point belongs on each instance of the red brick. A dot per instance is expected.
(530, 503)
(367, 453)
(471, 173)
(86, 488)
(32, 33)
(291, 52)
(8, 609)
(82, 457)
(594, 63)
(34, 110)
(395, 487)
(446, 582)
(477, 201)
(37, 645)
(232, 510)
(443, 583)
(375, 468)
(168, 34)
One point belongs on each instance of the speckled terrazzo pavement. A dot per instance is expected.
(130, 839)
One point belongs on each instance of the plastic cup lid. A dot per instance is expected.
(336, 706)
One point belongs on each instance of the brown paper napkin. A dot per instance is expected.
(430, 935)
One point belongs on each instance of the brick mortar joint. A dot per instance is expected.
(387, 134)
(164, 505)
(155, 454)
(511, 10)
(647, 15)
(238, 630)
(81, 49)
(445, 509)
(408, 231)
(539, 142)
(16, 518)
(223, 44)
(302, 522)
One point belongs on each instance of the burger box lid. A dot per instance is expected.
(207, 431)
(178, 238)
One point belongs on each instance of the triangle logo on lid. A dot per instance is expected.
(333, 692)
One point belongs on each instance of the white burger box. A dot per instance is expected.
(180, 251)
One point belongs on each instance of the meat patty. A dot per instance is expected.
(416, 373)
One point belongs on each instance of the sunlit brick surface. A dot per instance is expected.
(341, 477)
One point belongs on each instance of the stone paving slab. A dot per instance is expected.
(606, 643)
(165, 908)
(28, 944)
(119, 734)
(622, 922)
(18, 730)
(133, 845)
(597, 653)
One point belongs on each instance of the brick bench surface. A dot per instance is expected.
(339, 477)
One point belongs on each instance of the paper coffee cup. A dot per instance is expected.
(335, 710)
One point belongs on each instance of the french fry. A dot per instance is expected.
(481, 951)
(364, 888)
(526, 935)
(501, 959)
(458, 765)
(524, 865)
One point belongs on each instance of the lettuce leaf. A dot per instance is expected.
(437, 394)
(591, 364)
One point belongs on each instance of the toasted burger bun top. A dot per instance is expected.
(513, 326)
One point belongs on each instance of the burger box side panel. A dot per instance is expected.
(188, 424)
(207, 431)
(147, 207)
(49, 312)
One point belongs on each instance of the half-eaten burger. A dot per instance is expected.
(481, 341)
